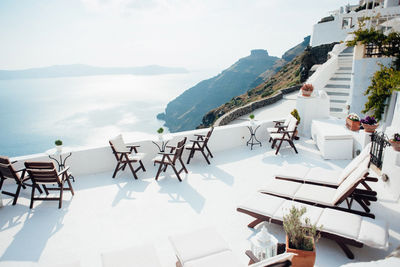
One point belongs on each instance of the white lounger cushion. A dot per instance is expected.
(314, 193)
(198, 244)
(143, 256)
(313, 212)
(221, 259)
(388, 262)
(373, 233)
(321, 175)
(281, 187)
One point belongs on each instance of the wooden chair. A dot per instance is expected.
(165, 159)
(200, 144)
(284, 135)
(7, 171)
(123, 155)
(45, 174)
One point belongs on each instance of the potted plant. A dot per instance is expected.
(369, 124)
(395, 141)
(353, 122)
(58, 144)
(252, 118)
(295, 114)
(307, 89)
(301, 237)
(160, 132)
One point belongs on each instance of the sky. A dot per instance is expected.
(194, 34)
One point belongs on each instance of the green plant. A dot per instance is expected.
(383, 83)
(295, 114)
(160, 130)
(300, 233)
(353, 117)
(58, 142)
(251, 116)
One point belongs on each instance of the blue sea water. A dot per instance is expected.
(83, 111)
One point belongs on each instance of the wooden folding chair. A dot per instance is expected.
(200, 144)
(165, 159)
(7, 171)
(284, 135)
(124, 156)
(45, 174)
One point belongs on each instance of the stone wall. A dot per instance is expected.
(249, 108)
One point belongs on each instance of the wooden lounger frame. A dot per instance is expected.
(361, 196)
(343, 242)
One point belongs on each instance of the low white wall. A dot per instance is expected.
(363, 70)
(101, 159)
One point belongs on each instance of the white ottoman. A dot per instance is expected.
(333, 139)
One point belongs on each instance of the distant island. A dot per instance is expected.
(85, 70)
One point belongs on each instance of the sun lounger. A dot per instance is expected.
(324, 177)
(141, 256)
(344, 228)
(325, 196)
(206, 248)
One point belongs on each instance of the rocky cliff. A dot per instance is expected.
(186, 111)
(290, 74)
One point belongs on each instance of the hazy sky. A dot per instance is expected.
(196, 34)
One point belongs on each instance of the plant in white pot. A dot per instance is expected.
(58, 144)
(160, 132)
(251, 116)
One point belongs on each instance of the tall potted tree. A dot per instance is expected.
(301, 237)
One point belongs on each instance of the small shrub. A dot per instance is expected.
(160, 130)
(295, 114)
(58, 142)
(251, 116)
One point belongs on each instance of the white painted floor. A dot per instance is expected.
(107, 214)
(276, 111)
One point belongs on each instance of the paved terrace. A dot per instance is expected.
(107, 214)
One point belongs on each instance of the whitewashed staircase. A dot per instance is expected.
(338, 86)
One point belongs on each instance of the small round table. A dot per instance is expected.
(161, 142)
(253, 127)
(60, 157)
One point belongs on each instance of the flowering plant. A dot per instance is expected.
(307, 87)
(369, 120)
(353, 117)
(396, 137)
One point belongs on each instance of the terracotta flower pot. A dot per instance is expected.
(368, 128)
(395, 144)
(303, 258)
(353, 125)
(306, 93)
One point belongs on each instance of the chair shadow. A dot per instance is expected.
(28, 244)
(181, 192)
(128, 188)
(214, 173)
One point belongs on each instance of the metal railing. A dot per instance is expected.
(379, 142)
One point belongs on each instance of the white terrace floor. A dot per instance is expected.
(107, 214)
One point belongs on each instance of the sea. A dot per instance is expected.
(84, 111)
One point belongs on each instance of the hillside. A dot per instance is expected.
(292, 73)
(186, 111)
(84, 70)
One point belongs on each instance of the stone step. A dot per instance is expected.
(337, 91)
(340, 115)
(345, 55)
(338, 86)
(335, 78)
(345, 68)
(338, 101)
(337, 105)
(338, 97)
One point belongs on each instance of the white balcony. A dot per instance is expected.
(107, 214)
